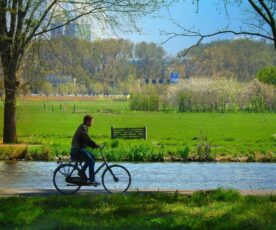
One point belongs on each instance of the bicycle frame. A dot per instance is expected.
(72, 178)
(98, 169)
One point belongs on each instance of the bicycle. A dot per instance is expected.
(66, 179)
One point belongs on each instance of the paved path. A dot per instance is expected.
(47, 192)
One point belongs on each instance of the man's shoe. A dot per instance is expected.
(93, 183)
(82, 175)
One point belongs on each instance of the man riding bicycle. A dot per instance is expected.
(80, 141)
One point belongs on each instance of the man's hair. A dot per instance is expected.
(87, 118)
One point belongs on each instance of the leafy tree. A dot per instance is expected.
(149, 60)
(106, 90)
(23, 20)
(82, 89)
(230, 59)
(91, 88)
(107, 60)
(47, 88)
(63, 90)
(125, 87)
(267, 75)
(98, 88)
(111, 60)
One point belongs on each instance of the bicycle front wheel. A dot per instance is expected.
(116, 178)
(60, 178)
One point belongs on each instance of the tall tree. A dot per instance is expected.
(23, 20)
(111, 59)
(149, 60)
(231, 59)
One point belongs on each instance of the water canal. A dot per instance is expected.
(181, 176)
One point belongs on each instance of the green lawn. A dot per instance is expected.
(220, 209)
(230, 135)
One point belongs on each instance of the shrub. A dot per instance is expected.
(225, 195)
(184, 101)
(39, 153)
(221, 95)
(142, 102)
(114, 144)
(203, 148)
(184, 153)
(140, 152)
(267, 75)
(13, 152)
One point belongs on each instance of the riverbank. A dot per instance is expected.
(46, 127)
(26, 152)
(218, 209)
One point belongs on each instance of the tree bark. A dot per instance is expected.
(9, 134)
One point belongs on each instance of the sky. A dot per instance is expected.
(211, 16)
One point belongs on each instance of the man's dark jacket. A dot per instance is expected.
(81, 138)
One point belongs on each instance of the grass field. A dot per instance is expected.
(219, 209)
(171, 135)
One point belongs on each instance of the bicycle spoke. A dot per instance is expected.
(60, 179)
(64, 171)
(64, 174)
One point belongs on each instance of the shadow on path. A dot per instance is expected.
(48, 192)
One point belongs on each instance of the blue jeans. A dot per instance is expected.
(89, 159)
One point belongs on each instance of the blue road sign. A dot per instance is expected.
(174, 77)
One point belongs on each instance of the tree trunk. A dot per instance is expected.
(274, 36)
(9, 134)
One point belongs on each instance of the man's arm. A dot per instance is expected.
(88, 141)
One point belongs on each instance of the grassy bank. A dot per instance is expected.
(220, 209)
(47, 128)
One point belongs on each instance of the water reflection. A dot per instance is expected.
(154, 175)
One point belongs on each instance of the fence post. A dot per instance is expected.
(112, 133)
(44, 106)
(52, 108)
(74, 110)
(145, 133)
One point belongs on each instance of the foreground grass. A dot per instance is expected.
(220, 209)
(171, 135)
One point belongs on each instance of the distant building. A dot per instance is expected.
(70, 30)
(58, 32)
(73, 30)
(84, 31)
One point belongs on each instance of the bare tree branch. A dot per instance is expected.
(263, 10)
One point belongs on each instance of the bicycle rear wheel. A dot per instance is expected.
(60, 178)
(116, 178)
